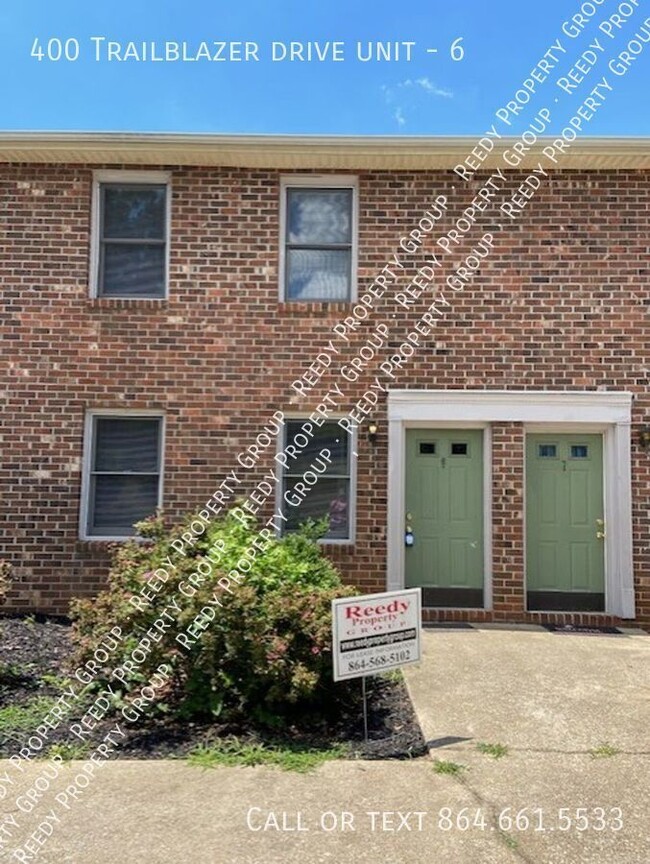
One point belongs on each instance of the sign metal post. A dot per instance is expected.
(365, 708)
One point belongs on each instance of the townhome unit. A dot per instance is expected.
(181, 310)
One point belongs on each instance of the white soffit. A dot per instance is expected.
(301, 152)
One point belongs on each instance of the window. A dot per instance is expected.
(547, 451)
(122, 476)
(579, 451)
(459, 448)
(312, 487)
(131, 233)
(427, 448)
(319, 243)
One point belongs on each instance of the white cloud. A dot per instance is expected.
(404, 97)
(430, 87)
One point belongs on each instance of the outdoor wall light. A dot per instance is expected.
(644, 438)
(372, 432)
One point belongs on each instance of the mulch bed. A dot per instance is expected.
(31, 649)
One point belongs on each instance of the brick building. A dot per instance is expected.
(164, 297)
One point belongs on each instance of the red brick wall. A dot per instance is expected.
(562, 303)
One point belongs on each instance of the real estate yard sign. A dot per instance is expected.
(375, 632)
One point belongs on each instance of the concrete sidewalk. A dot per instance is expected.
(164, 812)
(550, 699)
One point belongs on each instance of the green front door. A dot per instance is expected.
(444, 514)
(565, 567)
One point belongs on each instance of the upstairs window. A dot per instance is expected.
(319, 242)
(131, 234)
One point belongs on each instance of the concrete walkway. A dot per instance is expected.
(549, 699)
(561, 704)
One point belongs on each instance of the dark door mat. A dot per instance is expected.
(447, 625)
(453, 598)
(583, 630)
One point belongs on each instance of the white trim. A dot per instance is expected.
(487, 518)
(319, 181)
(619, 564)
(352, 451)
(119, 175)
(524, 406)
(561, 428)
(155, 178)
(540, 411)
(130, 414)
(395, 580)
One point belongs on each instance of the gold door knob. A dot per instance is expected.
(600, 522)
(600, 535)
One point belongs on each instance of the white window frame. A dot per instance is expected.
(143, 178)
(131, 414)
(319, 181)
(352, 452)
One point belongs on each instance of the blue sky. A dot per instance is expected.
(430, 95)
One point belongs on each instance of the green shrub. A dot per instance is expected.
(266, 654)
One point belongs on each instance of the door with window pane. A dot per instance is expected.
(444, 515)
(565, 528)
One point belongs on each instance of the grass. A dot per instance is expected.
(23, 718)
(67, 752)
(496, 751)
(508, 839)
(455, 769)
(393, 675)
(55, 681)
(604, 751)
(12, 675)
(233, 752)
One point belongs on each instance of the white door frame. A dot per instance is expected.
(539, 410)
